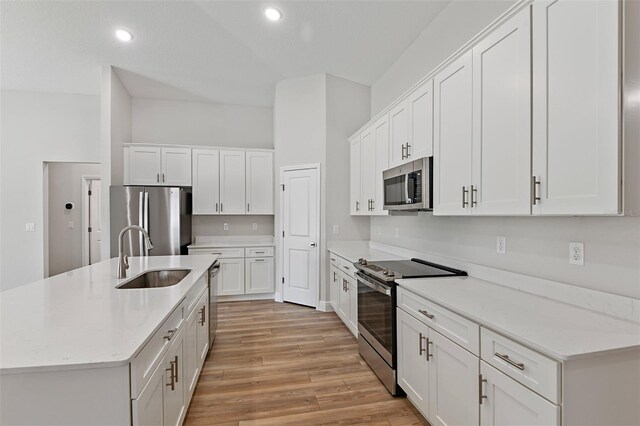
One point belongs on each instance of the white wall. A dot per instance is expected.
(37, 127)
(199, 123)
(314, 116)
(535, 246)
(65, 185)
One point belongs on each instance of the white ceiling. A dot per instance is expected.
(217, 51)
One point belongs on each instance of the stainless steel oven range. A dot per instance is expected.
(377, 303)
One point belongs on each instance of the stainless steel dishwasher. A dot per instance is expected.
(213, 302)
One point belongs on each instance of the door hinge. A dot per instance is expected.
(89, 193)
(282, 280)
(89, 229)
(283, 233)
(282, 185)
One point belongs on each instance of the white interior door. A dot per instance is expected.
(300, 236)
(95, 231)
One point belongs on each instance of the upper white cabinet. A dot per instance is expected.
(501, 181)
(152, 165)
(206, 181)
(453, 134)
(232, 182)
(355, 173)
(259, 171)
(399, 132)
(576, 107)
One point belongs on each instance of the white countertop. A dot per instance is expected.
(80, 319)
(560, 330)
(233, 241)
(353, 254)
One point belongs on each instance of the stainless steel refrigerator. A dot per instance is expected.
(164, 212)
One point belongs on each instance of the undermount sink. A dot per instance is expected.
(155, 279)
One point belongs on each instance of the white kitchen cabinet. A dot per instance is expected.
(507, 402)
(334, 286)
(420, 115)
(206, 181)
(453, 130)
(191, 368)
(413, 369)
(398, 133)
(232, 182)
(231, 277)
(381, 133)
(202, 334)
(453, 383)
(367, 167)
(501, 181)
(355, 176)
(259, 180)
(153, 165)
(373, 147)
(147, 409)
(259, 275)
(576, 107)
(344, 304)
(174, 397)
(145, 165)
(352, 291)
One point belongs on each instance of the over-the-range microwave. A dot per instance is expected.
(409, 187)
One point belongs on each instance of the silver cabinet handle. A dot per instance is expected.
(372, 204)
(428, 348)
(220, 207)
(426, 314)
(465, 191)
(346, 267)
(408, 146)
(247, 207)
(158, 177)
(505, 358)
(170, 335)
(173, 375)
(163, 177)
(357, 206)
(176, 365)
(201, 313)
(535, 186)
(474, 191)
(481, 394)
(403, 154)
(258, 260)
(421, 350)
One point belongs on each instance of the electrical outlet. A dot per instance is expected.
(336, 229)
(225, 226)
(30, 227)
(576, 253)
(70, 224)
(501, 245)
(255, 227)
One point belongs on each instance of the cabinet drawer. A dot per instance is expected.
(462, 331)
(346, 266)
(534, 370)
(259, 252)
(223, 253)
(194, 294)
(333, 259)
(146, 361)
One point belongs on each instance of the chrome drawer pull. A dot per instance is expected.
(420, 348)
(425, 313)
(505, 358)
(170, 335)
(481, 394)
(429, 354)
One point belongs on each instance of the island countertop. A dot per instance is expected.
(80, 319)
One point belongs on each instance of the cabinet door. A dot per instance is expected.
(576, 107)
(174, 406)
(176, 167)
(147, 409)
(420, 106)
(145, 165)
(355, 176)
(452, 138)
(381, 132)
(502, 120)
(191, 367)
(413, 369)
(202, 327)
(231, 277)
(259, 275)
(352, 290)
(206, 181)
(368, 171)
(453, 383)
(334, 287)
(232, 182)
(507, 402)
(399, 133)
(343, 298)
(259, 182)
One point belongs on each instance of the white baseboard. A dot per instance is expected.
(245, 297)
(324, 306)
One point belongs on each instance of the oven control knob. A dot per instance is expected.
(362, 261)
(388, 273)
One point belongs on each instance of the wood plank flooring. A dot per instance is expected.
(284, 364)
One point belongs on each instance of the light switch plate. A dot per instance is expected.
(336, 229)
(576, 254)
(254, 227)
(226, 226)
(70, 224)
(501, 245)
(30, 227)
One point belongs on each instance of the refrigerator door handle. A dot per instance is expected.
(141, 218)
(145, 225)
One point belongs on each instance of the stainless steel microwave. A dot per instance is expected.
(409, 186)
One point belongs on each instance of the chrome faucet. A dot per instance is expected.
(123, 260)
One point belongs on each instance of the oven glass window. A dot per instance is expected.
(375, 314)
(394, 190)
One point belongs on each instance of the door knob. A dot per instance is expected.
(312, 245)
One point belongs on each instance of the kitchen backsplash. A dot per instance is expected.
(237, 225)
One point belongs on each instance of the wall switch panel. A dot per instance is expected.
(30, 227)
(576, 253)
(501, 245)
(254, 227)
(336, 229)
(226, 226)
(70, 224)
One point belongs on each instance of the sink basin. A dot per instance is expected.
(154, 279)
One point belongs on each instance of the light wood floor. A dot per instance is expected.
(283, 364)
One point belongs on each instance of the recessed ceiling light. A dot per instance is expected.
(272, 14)
(123, 35)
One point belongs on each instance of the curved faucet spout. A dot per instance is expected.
(123, 263)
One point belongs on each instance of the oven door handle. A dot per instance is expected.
(375, 286)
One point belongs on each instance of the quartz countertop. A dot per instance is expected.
(353, 254)
(233, 241)
(79, 319)
(559, 330)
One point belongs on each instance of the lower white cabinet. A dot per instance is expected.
(259, 275)
(413, 370)
(334, 286)
(231, 277)
(352, 291)
(344, 304)
(507, 402)
(343, 292)
(147, 409)
(196, 342)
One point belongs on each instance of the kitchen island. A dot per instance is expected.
(76, 349)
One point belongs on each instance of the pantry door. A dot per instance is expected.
(300, 234)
